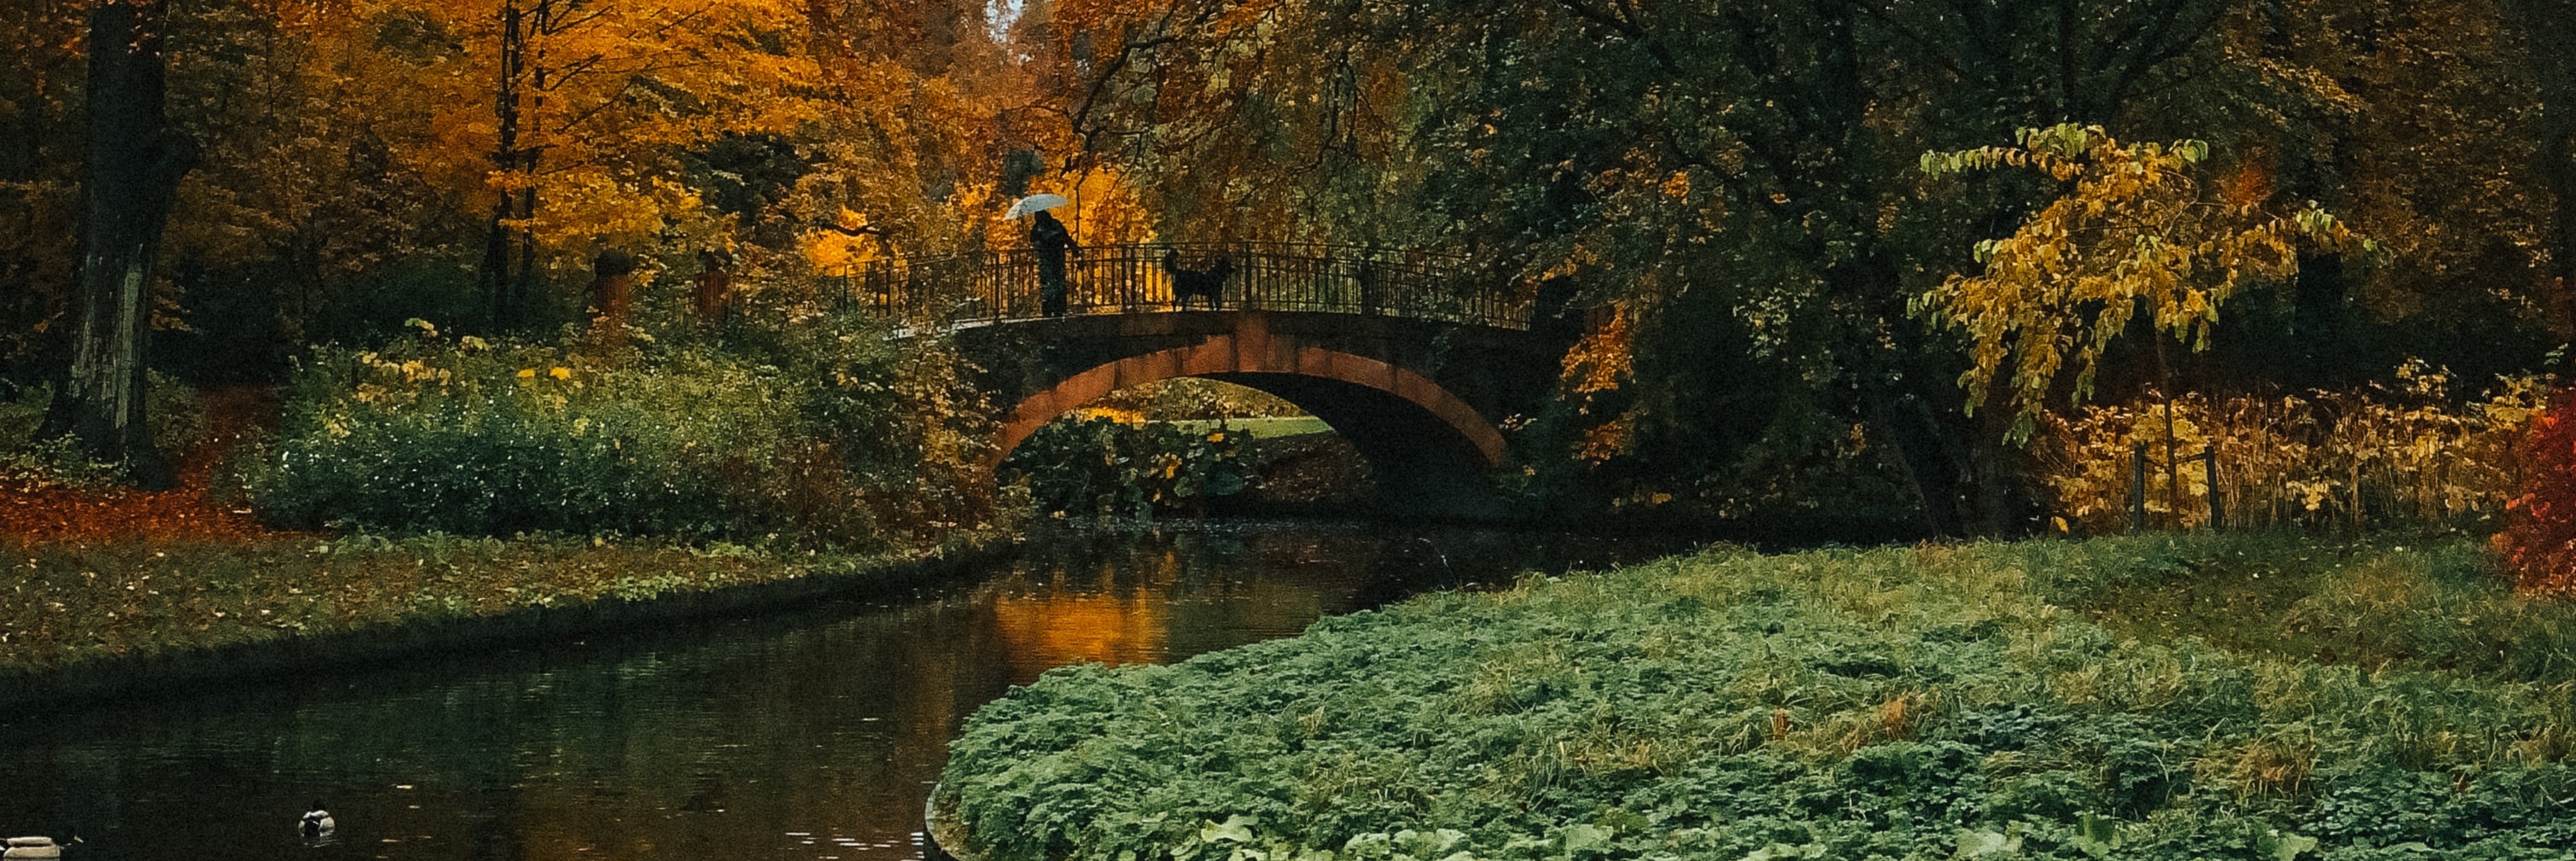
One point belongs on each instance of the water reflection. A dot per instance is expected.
(808, 734)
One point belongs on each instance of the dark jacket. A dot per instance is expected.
(1050, 237)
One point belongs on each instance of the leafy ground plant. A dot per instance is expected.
(1979, 701)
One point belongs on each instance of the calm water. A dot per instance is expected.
(813, 734)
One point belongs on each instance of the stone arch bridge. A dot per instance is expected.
(1397, 350)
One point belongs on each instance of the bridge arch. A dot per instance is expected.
(1429, 448)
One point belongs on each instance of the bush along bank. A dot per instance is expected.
(1102, 467)
(111, 618)
(826, 433)
(1983, 701)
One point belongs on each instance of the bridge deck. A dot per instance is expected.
(1003, 286)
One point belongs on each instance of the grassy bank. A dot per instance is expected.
(72, 605)
(2152, 698)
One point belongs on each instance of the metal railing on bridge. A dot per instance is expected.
(1001, 286)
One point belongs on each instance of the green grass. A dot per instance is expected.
(1261, 428)
(87, 604)
(2250, 697)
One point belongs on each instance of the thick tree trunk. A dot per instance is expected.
(132, 172)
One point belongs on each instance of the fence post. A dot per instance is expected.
(2138, 487)
(2209, 461)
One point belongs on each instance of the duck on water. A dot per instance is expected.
(317, 822)
(33, 848)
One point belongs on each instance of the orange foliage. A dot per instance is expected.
(1598, 364)
(2539, 540)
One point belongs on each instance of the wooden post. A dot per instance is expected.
(2138, 487)
(2209, 462)
(715, 282)
(611, 285)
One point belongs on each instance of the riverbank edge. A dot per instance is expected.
(197, 668)
(945, 841)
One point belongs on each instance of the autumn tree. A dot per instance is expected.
(2417, 121)
(2135, 235)
(577, 118)
(560, 68)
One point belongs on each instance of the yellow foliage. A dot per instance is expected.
(836, 253)
(1608, 439)
(2381, 455)
(1678, 186)
(1105, 210)
(2135, 234)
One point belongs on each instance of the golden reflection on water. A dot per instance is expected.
(1056, 629)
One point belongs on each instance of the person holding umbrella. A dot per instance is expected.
(1051, 240)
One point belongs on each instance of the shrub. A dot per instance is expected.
(839, 439)
(173, 414)
(2411, 455)
(2539, 540)
(56, 462)
(1109, 468)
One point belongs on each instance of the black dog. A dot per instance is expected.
(1186, 283)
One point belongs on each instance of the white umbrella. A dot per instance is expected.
(1035, 203)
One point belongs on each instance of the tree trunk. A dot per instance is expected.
(503, 290)
(132, 170)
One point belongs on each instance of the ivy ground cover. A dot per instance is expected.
(2152, 698)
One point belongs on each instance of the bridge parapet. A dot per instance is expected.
(1000, 286)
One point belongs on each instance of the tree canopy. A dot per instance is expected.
(1724, 203)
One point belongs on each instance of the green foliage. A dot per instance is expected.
(31, 462)
(57, 462)
(1929, 702)
(173, 416)
(811, 437)
(1194, 398)
(1104, 467)
(173, 413)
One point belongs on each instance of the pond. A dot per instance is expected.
(806, 734)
